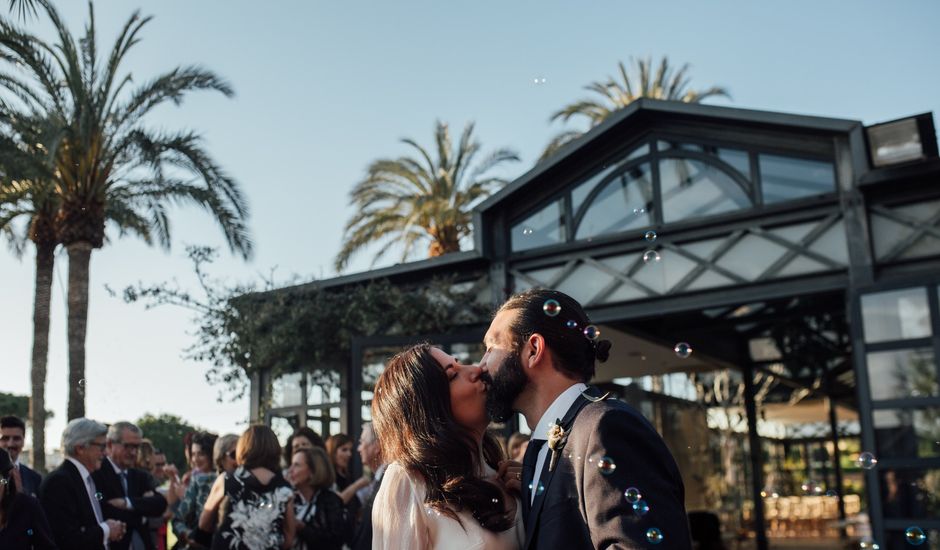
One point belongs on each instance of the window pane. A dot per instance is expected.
(692, 188)
(896, 315)
(787, 178)
(545, 227)
(911, 494)
(284, 426)
(907, 433)
(624, 203)
(902, 373)
(286, 390)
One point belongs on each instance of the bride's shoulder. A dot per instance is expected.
(399, 480)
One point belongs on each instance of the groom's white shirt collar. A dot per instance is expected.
(557, 410)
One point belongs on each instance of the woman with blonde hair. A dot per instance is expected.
(320, 519)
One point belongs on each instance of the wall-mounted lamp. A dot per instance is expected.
(904, 140)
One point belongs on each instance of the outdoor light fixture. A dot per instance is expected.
(903, 140)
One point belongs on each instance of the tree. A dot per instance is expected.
(412, 199)
(27, 192)
(166, 432)
(664, 84)
(109, 165)
(17, 405)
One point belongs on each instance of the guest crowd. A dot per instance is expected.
(114, 490)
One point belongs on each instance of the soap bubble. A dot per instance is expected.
(551, 308)
(866, 461)
(683, 350)
(915, 536)
(651, 256)
(606, 465)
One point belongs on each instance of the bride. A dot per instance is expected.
(443, 488)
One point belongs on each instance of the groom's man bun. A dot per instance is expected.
(574, 353)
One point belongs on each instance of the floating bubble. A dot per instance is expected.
(29, 532)
(3, 481)
(495, 501)
(866, 461)
(99, 496)
(571, 323)
(551, 308)
(527, 231)
(540, 489)
(915, 536)
(591, 332)
(265, 503)
(683, 350)
(810, 487)
(638, 211)
(654, 535)
(633, 495)
(868, 544)
(651, 256)
(831, 493)
(641, 508)
(606, 465)
(81, 386)
(539, 80)
(650, 236)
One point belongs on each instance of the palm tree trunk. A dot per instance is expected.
(79, 259)
(45, 260)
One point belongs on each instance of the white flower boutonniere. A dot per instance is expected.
(557, 438)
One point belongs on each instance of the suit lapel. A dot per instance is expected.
(546, 477)
(87, 510)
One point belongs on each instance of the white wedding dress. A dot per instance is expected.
(401, 521)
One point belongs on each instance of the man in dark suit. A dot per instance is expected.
(12, 435)
(596, 474)
(128, 493)
(69, 495)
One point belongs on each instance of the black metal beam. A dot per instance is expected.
(756, 460)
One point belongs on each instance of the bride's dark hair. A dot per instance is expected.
(415, 426)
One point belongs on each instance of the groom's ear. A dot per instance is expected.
(535, 351)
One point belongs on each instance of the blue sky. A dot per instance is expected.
(323, 88)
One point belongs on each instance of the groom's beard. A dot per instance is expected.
(503, 388)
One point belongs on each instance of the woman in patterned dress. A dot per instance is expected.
(254, 504)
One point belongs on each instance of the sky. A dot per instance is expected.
(324, 88)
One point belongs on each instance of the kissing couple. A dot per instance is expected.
(596, 474)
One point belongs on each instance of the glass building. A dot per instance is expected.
(771, 286)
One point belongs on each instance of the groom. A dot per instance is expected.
(596, 474)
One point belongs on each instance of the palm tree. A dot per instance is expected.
(614, 95)
(413, 200)
(31, 197)
(109, 166)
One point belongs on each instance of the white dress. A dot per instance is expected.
(401, 520)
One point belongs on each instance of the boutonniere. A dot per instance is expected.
(557, 437)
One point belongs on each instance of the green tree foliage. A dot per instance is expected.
(422, 199)
(17, 405)
(303, 327)
(662, 82)
(166, 432)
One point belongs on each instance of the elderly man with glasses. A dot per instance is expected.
(128, 493)
(71, 498)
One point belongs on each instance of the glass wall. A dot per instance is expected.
(901, 346)
(665, 181)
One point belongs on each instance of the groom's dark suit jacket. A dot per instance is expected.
(581, 507)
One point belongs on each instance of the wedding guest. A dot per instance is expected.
(320, 519)
(127, 492)
(302, 438)
(518, 443)
(259, 510)
(186, 516)
(22, 521)
(12, 435)
(69, 495)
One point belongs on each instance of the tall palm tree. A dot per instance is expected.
(412, 200)
(663, 83)
(27, 192)
(109, 166)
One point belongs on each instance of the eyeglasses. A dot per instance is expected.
(130, 446)
(101, 446)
